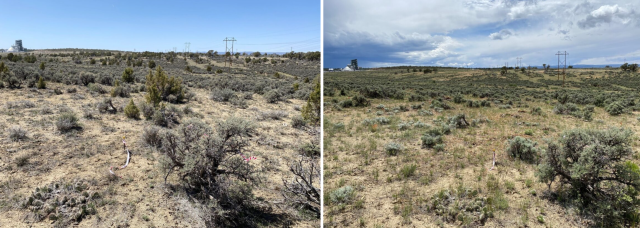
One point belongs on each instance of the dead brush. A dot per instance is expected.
(17, 133)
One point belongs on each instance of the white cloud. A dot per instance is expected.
(444, 32)
(503, 34)
(604, 15)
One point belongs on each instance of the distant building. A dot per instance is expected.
(17, 47)
(353, 66)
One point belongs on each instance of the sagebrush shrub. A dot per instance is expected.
(86, 78)
(600, 173)
(615, 108)
(152, 136)
(298, 122)
(222, 95)
(342, 195)
(523, 149)
(93, 87)
(120, 90)
(166, 117)
(66, 122)
(273, 96)
(208, 164)
(393, 148)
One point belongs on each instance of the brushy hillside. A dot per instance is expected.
(414, 147)
(210, 146)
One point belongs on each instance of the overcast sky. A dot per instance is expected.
(480, 33)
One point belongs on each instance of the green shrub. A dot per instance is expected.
(127, 75)
(393, 148)
(600, 174)
(536, 111)
(408, 170)
(438, 147)
(342, 195)
(430, 140)
(93, 87)
(152, 64)
(132, 111)
(523, 149)
(41, 83)
(458, 99)
(309, 150)
(311, 111)
(360, 101)
(528, 132)
(615, 108)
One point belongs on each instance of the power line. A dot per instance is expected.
(562, 62)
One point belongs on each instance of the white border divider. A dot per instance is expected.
(322, 113)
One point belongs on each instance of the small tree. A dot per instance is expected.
(41, 83)
(209, 68)
(152, 64)
(159, 87)
(311, 111)
(42, 66)
(597, 166)
(624, 67)
(127, 75)
(132, 110)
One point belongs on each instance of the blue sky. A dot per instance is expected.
(266, 26)
(480, 33)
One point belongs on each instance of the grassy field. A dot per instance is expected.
(414, 149)
(60, 178)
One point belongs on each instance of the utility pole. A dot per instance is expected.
(519, 62)
(564, 67)
(186, 47)
(226, 48)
